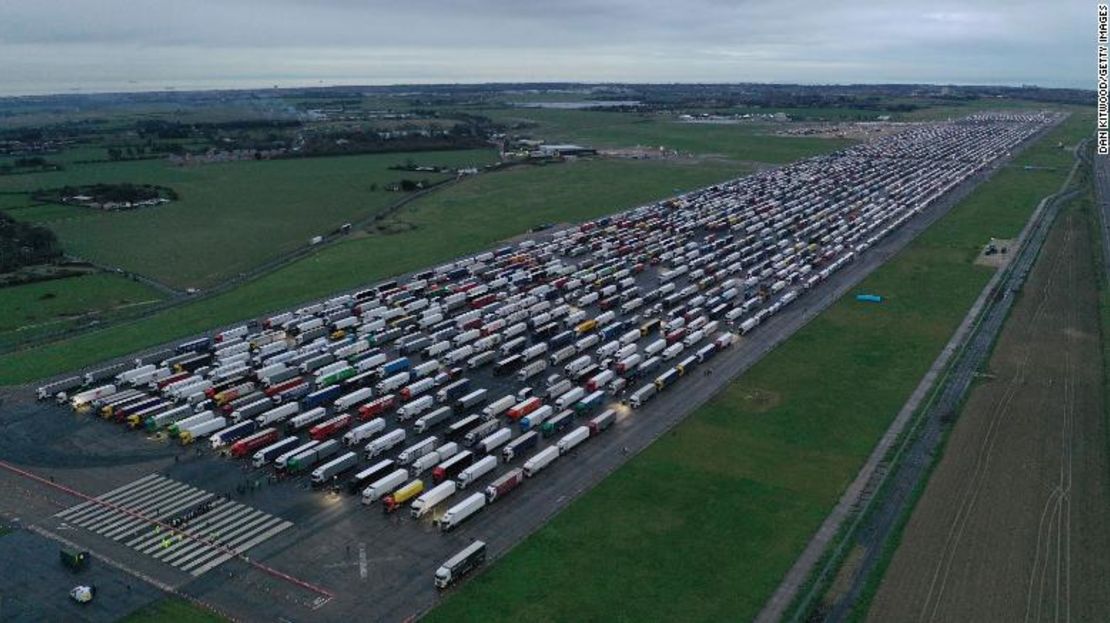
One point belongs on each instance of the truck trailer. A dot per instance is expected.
(460, 564)
(458, 513)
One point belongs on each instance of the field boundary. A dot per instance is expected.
(179, 298)
(863, 487)
(876, 504)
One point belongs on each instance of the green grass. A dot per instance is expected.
(463, 218)
(42, 214)
(48, 306)
(172, 610)
(945, 109)
(704, 523)
(231, 216)
(611, 129)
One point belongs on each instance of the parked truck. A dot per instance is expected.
(275, 415)
(519, 445)
(557, 423)
(432, 498)
(505, 483)
(417, 450)
(536, 418)
(275, 450)
(201, 429)
(458, 513)
(363, 432)
(453, 466)
(642, 395)
(499, 406)
(530, 370)
(490, 443)
(360, 480)
(350, 399)
(470, 400)
(329, 427)
(282, 460)
(599, 423)
(313, 456)
(305, 420)
(433, 419)
(539, 461)
(460, 564)
(255, 441)
(477, 470)
(377, 406)
(572, 439)
(232, 433)
(385, 442)
(332, 469)
(396, 499)
(384, 486)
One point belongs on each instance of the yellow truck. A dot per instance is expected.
(392, 502)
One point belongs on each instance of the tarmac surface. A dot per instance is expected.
(340, 560)
(39, 591)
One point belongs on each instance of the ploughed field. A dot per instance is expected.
(1012, 525)
(436, 371)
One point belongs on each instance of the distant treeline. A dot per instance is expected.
(161, 129)
(30, 164)
(106, 193)
(24, 244)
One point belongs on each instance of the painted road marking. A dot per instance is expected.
(362, 567)
(135, 513)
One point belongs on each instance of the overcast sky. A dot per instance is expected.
(97, 45)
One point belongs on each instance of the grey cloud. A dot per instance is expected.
(85, 43)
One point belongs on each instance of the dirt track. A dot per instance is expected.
(1014, 524)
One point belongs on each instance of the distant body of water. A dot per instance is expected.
(577, 105)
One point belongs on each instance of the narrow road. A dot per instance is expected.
(875, 525)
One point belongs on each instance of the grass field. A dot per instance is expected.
(463, 218)
(172, 610)
(971, 547)
(612, 129)
(51, 305)
(703, 524)
(231, 216)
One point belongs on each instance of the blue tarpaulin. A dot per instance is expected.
(869, 298)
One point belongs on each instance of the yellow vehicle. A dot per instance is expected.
(402, 495)
(586, 327)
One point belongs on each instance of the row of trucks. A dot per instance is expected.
(394, 486)
(297, 406)
(369, 387)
